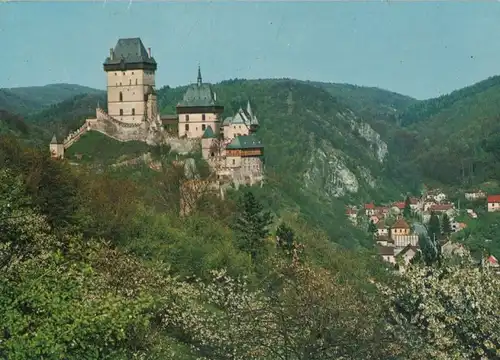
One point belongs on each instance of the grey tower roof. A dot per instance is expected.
(129, 54)
(198, 95)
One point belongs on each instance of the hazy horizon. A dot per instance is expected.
(421, 50)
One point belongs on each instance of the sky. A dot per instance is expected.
(420, 49)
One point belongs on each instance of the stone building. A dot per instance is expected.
(198, 110)
(130, 72)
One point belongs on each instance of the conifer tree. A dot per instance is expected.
(446, 224)
(251, 224)
(407, 209)
(372, 228)
(434, 227)
(429, 250)
(286, 237)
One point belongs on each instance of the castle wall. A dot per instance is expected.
(132, 85)
(233, 130)
(193, 125)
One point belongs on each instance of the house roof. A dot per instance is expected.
(400, 224)
(386, 250)
(492, 260)
(198, 95)
(441, 207)
(130, 51)
(381, 225)
(245, 142)
(399, 204)
(494, 198)
(369, 206)
(209, 133)
(406, 249)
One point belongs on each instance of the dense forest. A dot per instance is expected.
(97, 263)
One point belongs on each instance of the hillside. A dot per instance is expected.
(454, 138)
(26, 100)
(320, 154)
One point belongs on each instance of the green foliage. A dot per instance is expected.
(372, 228)
(445, 224)
(407, 208)
(251, 225)
(285, 238)
(429, 249)
(434, 227)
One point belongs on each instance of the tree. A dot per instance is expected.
(445, 224)
(372, 228)
(251, 224)
(429, 250)
(450, 312)
(407, 208)
(434, 227)
(285, 238)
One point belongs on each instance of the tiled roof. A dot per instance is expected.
(198, 95)
(245, 142)
(131, 51)
(399, 204)
(381, 225)
(369, 206)
(494, 199)
(401, 224)
(386, 250)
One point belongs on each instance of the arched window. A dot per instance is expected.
(121, 112)
(187, 117)
(187, 127)
(136, 81)
(203, 117)
(203, 127)
(121, 96)
(133, 111)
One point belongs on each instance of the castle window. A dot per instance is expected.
(212, 154)
(187, 127)
(121, 112)
(132, 73)
(115, 74)
(187, 117)
(136, 81)
(120, 83)
(133, 111)
(121, 96)
(203, 117)
(203, 127)
(130, 81)
(234, 161)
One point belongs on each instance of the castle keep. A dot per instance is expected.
(229, 146)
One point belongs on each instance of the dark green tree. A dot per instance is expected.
(251, 224)
(285, 238)
(446, 224)
(372, 228)
(434, 227)
(429, 250)
(407, 209)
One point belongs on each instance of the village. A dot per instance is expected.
(396, 226)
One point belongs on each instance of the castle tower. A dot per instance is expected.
(56, 148)
(130, 73)
(198, 110)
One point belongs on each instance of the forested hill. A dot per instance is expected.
(453, 139)
(320, 153)
(26, 100)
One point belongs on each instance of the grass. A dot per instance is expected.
(96, 147)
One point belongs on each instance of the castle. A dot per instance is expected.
(229, 146)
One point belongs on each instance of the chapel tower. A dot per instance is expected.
(130, 71)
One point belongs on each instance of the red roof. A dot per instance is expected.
(492, 260)
(399, 204)
(369, 206)
(441, 207)
(494, 199)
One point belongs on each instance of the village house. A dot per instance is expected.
(374, 218)
(471, 213)
(382, 211)
(435, 195)
(399, 204)
(369, 209)
(382, 229)
(400, 228)
(449, 209)
(451, 249)
(406, 255)
(387, 253)
(415, 204)
(475, 195)
(352, 214)
(493, 203)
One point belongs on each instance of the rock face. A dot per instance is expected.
(334, 173)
